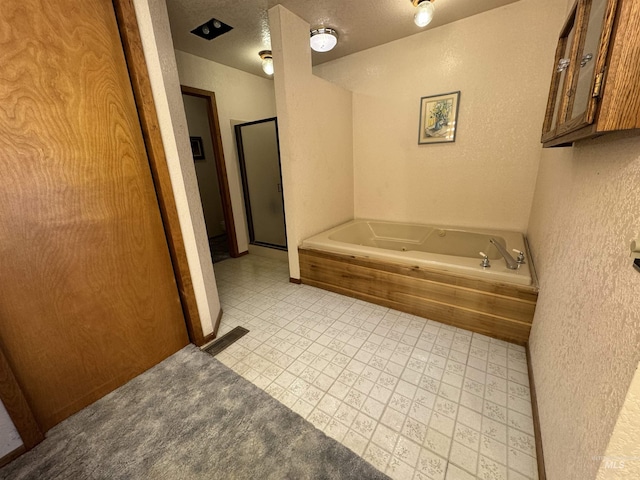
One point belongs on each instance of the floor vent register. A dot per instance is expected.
(226, 340)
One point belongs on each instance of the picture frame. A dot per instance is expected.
(438, 118)
(197, 149)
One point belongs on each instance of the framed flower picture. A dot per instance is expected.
(438, 118)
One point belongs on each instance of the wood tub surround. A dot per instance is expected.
(497, 310)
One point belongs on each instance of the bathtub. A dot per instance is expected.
(428, 271)
(454, 250)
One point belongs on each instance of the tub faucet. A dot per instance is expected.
(511, 263)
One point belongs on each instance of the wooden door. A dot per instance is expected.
(88, 298)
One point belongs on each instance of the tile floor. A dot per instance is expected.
(416, 398)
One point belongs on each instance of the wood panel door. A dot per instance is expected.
(88, 298)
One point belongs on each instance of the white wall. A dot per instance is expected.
(586, 330)
(241, 97)
(9, 436)
(501, 62)
(153, 22)
(316, 141)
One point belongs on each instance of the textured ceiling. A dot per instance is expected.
(361, 24)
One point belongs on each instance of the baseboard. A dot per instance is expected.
(11, 456)
(241, 254)
(297, 281)
(542, 475)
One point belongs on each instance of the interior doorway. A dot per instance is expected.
(208, 156)
(259, 155)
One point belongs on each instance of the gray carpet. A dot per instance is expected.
(189, 417)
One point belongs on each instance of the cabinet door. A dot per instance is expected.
(588, 65)
(557, 94)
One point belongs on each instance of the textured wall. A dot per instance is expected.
(622, 458)
(163, 74)
(586, 331)
(501, 62)
(240, 97)
(316, 141)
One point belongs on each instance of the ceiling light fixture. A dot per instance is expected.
(323, 39)
(267, 61)
(424, 13)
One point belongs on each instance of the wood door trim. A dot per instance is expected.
(134, 54)
(17, 407)
(221, 168)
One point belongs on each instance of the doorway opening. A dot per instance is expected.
(208, 156)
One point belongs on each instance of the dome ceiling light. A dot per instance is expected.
(323, 39)
(424, 12)
(267, 61)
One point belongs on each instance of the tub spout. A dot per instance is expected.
(511, 263)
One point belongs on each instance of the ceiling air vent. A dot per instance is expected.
(212, 29)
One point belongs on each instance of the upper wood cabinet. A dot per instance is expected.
(595, 87)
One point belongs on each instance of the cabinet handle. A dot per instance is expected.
(586, 59)
(563, 64)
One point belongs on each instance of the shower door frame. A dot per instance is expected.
(245, 185)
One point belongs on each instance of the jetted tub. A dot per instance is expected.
(454, 250)
(429, 271)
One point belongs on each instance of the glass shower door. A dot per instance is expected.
(259, 155)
